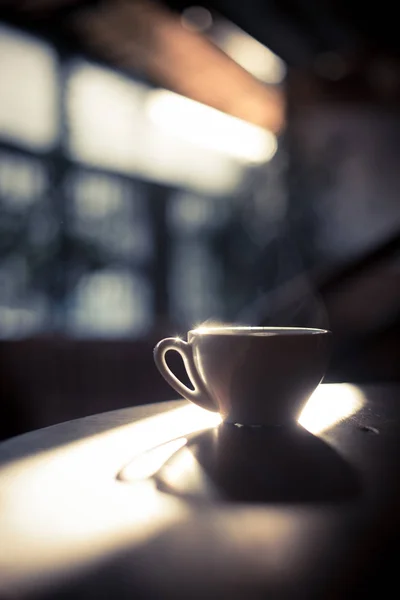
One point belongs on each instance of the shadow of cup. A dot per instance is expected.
(261, 465)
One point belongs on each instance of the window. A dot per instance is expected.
(114, 198)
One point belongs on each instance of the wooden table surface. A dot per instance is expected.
(239, 514)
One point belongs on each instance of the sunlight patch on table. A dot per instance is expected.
(330, 404)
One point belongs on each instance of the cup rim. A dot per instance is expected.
(248, 330)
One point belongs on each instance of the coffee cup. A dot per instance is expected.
(251, 375)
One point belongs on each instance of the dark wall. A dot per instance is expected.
(43, 382)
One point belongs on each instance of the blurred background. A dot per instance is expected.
(163, 165)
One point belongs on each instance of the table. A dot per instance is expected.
(80, 516)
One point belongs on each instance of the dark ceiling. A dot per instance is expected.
(297, 30)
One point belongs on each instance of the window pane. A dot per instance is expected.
(111, 214)
(194, 284)
(27, 229)
(28, 90)
(110, 304)
(188, 214)
(23, 181)
(23, 309)
(105, 116)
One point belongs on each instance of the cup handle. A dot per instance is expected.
(199, 394)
